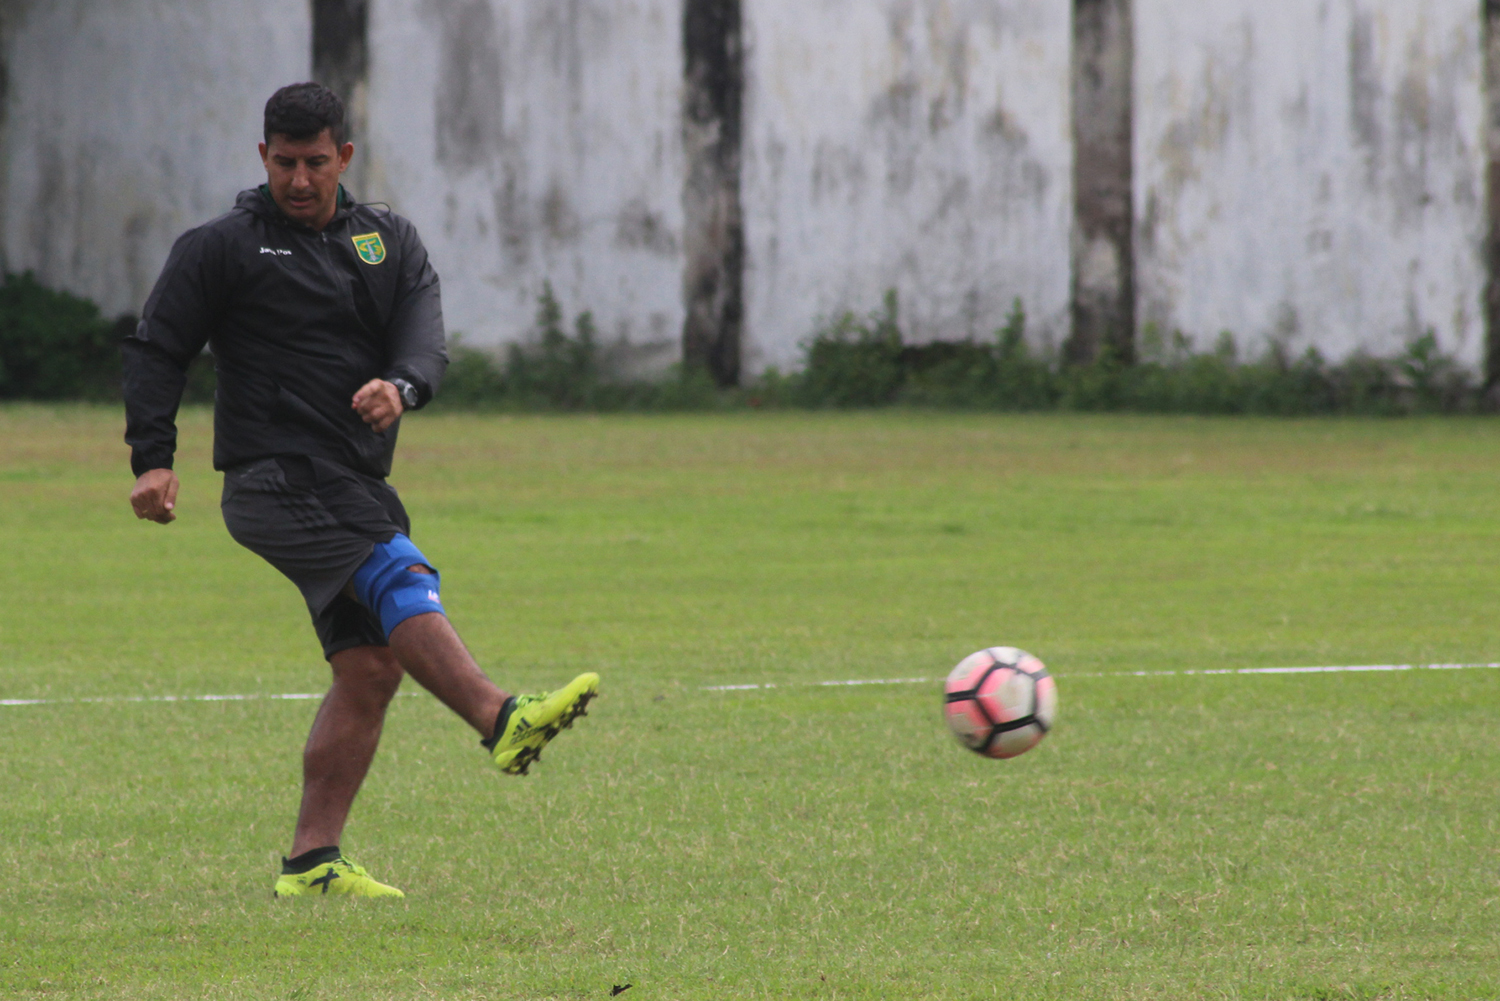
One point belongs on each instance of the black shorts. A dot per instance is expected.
(317, 522)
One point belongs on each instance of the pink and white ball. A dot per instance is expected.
(1000, 702)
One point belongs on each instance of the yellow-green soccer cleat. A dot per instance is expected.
(337, 878)
(530, 721)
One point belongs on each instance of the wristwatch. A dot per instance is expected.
(408, 393)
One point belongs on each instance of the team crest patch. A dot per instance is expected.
(371, 250)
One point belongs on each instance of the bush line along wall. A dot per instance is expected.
(57, 346)
(864, 361)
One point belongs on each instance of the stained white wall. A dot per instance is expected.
(536, 140)
(1311, 170)
(128, 122)
(1306, 169)
(921, 145)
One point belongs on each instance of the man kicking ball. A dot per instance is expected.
(326, 325)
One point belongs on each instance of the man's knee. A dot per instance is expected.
(397, 583)
(368, 674)
(370, 671)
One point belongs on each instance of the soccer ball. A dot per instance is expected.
(1000, 702)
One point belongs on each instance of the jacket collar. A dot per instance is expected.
(258, 200)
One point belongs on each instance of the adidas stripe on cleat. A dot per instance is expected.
(340, 878)
(529, 722)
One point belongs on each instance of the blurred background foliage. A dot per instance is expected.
(56, 346)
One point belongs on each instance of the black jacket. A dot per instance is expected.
(297, 321)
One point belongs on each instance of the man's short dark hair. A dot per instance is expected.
(302, 110)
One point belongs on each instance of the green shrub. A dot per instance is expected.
(555, 370)
(864, 361)
(472, 379)
(683, 389)
(1004, 375)
(853, 362)
(54, 345)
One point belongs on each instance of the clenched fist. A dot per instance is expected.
(155, 495)
(379, 403)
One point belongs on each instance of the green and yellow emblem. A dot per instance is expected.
(371, 249)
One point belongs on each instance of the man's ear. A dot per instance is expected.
(264, 162)
(346, 153)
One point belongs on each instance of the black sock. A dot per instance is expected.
(500, 721)
(309, 860)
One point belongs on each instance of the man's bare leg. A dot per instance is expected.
(347, 728)
(431, 652)
(343, 741)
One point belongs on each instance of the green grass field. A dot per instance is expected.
(1226, 836)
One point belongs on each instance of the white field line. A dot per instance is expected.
(1350, 669)
(307, 696)
(287, 697)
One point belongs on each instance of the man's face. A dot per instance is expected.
(303, 175)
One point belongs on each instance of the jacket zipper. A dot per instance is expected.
(344, 280)
(345, 283)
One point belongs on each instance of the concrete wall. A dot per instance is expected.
(1304, 169)
(1312, 170)
(535, 140)
(127, 122)
(921, 145)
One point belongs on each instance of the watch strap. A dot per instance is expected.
(409, 396)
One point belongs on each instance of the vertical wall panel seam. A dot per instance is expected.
(1490, 28)
(1103, 251)
(713, 215)
(341, 62)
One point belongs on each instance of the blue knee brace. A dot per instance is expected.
(393, 592)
